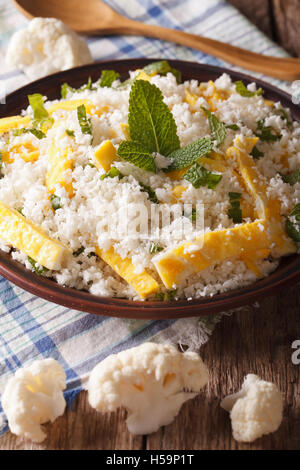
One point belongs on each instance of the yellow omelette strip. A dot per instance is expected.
(31, 239)
(212, 248)
(60, 165)
(105, 155)
(12, 122)
(31, 155)
(143, 283)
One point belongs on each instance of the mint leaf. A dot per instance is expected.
(151, 123)
(112, 173)
(217, 128)
(36, 267)
(235, 212)
(291, 178)
(40, 114)
(70, 132)
(292, 224)
(134, 153)
(150, 191)
(233, 127)
(198, 176)
(65, 88)
(189, 154)
(266, 133)
(243, 90)
(55, 202)
(84, 122)
(155, 248)
(162, 68)
(36, 132)
(107, 78)
(256, 153)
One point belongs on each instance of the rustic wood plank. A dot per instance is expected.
(287, 23)
(254, 340)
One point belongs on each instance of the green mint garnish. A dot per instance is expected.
(36, 267)
(189, 154)
(292, 224)
(155, 248)
(291, 178)
(150, 191)
(162, 68)
(55, 202)
(79, 251)
(84, 122)
(151, 123)
(198, 176)
(70, 133)
(243, 90)
(91, 165)
(235, 212)
(233, 127)
(217, 128)
(20, 210)
(113, 172)
(266, 133)
(107, 78)
(256, 153)
(284, 116)
(65, 88)
(135, 153)
(166, 296)
(36, 132)
(40, 114)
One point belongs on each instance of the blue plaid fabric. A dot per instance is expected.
(31, 328)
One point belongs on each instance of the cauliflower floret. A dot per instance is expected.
(46, 46)
(151, 381)
(255, 410)
(34, 396)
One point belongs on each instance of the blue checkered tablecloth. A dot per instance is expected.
(32, 328)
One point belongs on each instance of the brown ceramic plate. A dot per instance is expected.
(287, 273)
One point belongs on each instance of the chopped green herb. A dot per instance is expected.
(233, 127)
(189, 154)
(217, 128)
(166, 296)
(55, 202)
(36, 132)
(193, 215)
(284, 116)
(112, 173)
(20, 210)
(37, 268)
(155, 248)
(151, 123)
(40, 114)
(266, 133)
(84, 122)
(91, 165)
(79, 251)
(243, 90)
(198, 176)
(235, 212)
(70, 132)
(135, 153)
(256, 153)
(150, 191)
(291, 178)
(107, 78)
(162, 68)
(65, 88)
(292, 224)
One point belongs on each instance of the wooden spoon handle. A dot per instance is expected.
(278, 67)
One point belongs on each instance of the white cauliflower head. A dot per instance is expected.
(151, 381)
(46, 46)
(255, 410)
(34, 396)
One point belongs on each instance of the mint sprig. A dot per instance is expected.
(84, 122)
(186, 156)
(107, 78)
(198, 176)
(242, 90)
(135, 153)
(151, 123)
(217, 128)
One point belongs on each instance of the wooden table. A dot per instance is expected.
(257, 339)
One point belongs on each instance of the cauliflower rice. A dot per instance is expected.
(80, 222)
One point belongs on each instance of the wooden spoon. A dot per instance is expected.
(95, 17)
